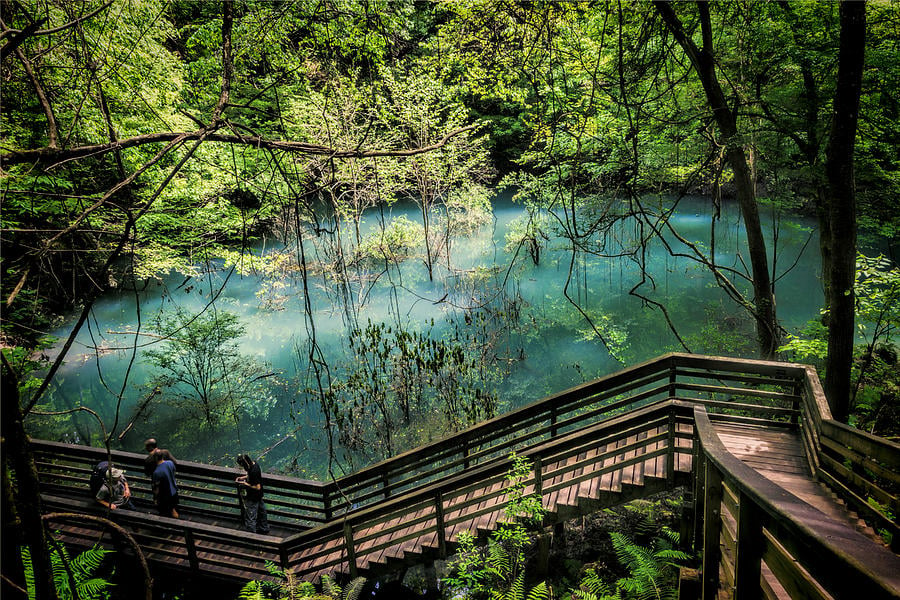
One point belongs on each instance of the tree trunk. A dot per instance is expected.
(26, 525)
(841, 209)
(704, 64)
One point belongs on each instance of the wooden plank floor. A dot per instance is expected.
(778, 455)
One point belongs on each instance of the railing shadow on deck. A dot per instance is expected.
(344, 523)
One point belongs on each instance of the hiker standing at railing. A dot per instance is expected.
(150, 462)
(250, 492)
(165, 492)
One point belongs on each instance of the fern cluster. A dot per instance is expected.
(287, 587)
(84, 569)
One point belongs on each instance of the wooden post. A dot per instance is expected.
(673, 379)
(538, 477)
(688, 513)
(712, 530)
(283, 556)
(670, 457)
(699, 469)
(439, 523)
(750, 545)
(553, 429)
(191, 550)
(326, 503)
(386, 484)
(465, 453)
(542, 566)
(351, 549)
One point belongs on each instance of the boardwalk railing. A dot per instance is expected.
(423, 492)
(764, 538)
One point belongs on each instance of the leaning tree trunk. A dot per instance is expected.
(704, 64)
(840, 211)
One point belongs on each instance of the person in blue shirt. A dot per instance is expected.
(165, 491)
(251, 494)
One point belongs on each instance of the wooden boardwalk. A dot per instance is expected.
(622, 437)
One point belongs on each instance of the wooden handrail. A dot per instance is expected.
(838, 558)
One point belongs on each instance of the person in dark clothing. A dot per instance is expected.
(251, 494)
(165, 491)
(150, 462)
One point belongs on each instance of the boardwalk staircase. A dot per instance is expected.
(753, 441)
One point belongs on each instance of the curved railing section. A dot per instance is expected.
(767, 540)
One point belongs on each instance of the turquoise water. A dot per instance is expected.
(540, 344)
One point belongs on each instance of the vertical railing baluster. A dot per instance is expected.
(673, 380)
(553, 429)
(191, 547)
(712, 530)
(670, 456)
(351, 549)
(326, 502)
(283, 557)
(439, 523)
(465, 453)
(699, 469)
(538, 477)
(386, 484)
(747, 563)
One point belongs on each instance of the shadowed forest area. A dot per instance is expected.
(326, 232)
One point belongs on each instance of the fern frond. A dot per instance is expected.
(275, 570)
(669, 556)
(539, 592)
(252, 590)
(330, 588)
(498, 558)
(592, 585)
(88, 561)
(671, 535)
(96, 587)
(354, 588)
(28, 568)
(517, 591)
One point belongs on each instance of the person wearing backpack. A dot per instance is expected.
(114, 492)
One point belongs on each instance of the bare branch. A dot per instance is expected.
(17, 38)
(49, 155)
